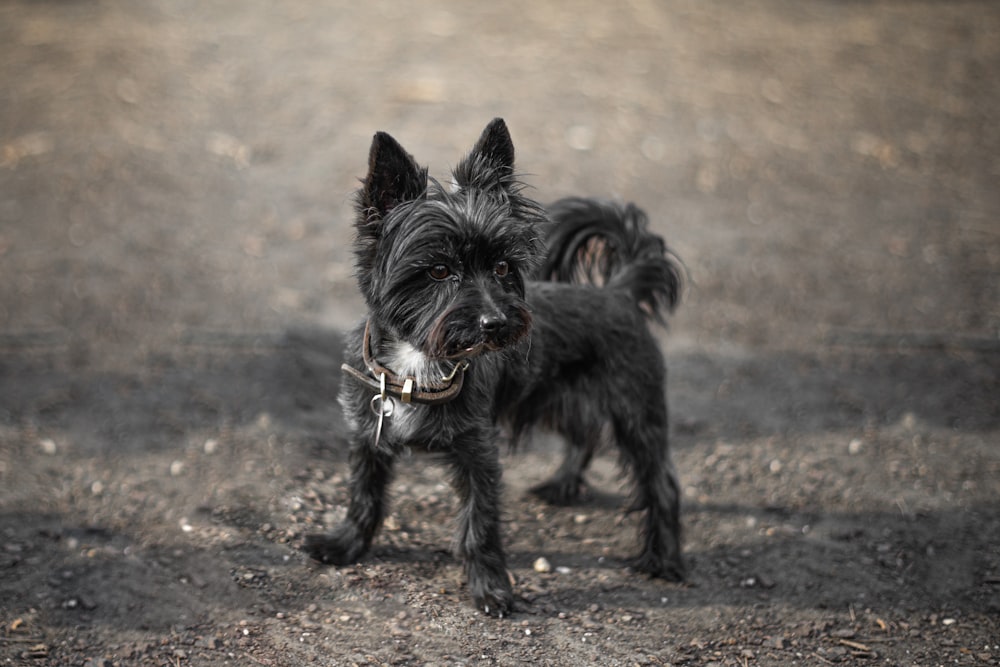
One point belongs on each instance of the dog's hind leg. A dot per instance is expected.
(567, 484)
(644, 452)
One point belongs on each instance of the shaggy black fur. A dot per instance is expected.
(555, 337)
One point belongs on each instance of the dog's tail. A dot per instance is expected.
(604, 243)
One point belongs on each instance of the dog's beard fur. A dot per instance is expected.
(447, 276)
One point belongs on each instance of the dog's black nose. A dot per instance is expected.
(491, 323)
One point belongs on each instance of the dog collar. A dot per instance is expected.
(384, 382)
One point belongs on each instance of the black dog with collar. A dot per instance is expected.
(472, 323)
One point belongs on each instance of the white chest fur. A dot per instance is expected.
(407, 361)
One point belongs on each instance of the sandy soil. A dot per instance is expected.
(175, 183)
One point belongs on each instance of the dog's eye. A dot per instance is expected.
(501, 269)
(439, 272)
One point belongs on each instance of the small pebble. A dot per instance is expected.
(542, 565)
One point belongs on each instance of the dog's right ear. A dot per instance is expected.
(393, 177)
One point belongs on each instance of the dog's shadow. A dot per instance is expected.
(574, 583)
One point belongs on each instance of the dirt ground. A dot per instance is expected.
(175, 184)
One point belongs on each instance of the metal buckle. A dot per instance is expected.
(460, 366)
(383, 406)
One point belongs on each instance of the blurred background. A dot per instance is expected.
(177, 166)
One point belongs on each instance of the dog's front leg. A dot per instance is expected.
(371, 472)
(476, 474)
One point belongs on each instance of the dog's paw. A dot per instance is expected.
(492, 594)
(343, 546)
(560, 490)
(657, 566)
(499, 604)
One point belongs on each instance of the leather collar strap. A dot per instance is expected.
(405, 388)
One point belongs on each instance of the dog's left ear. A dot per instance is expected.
(491, 162)
(495, 146)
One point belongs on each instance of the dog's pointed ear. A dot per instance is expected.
(491, 161)
(393, 177)
(495, 145)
